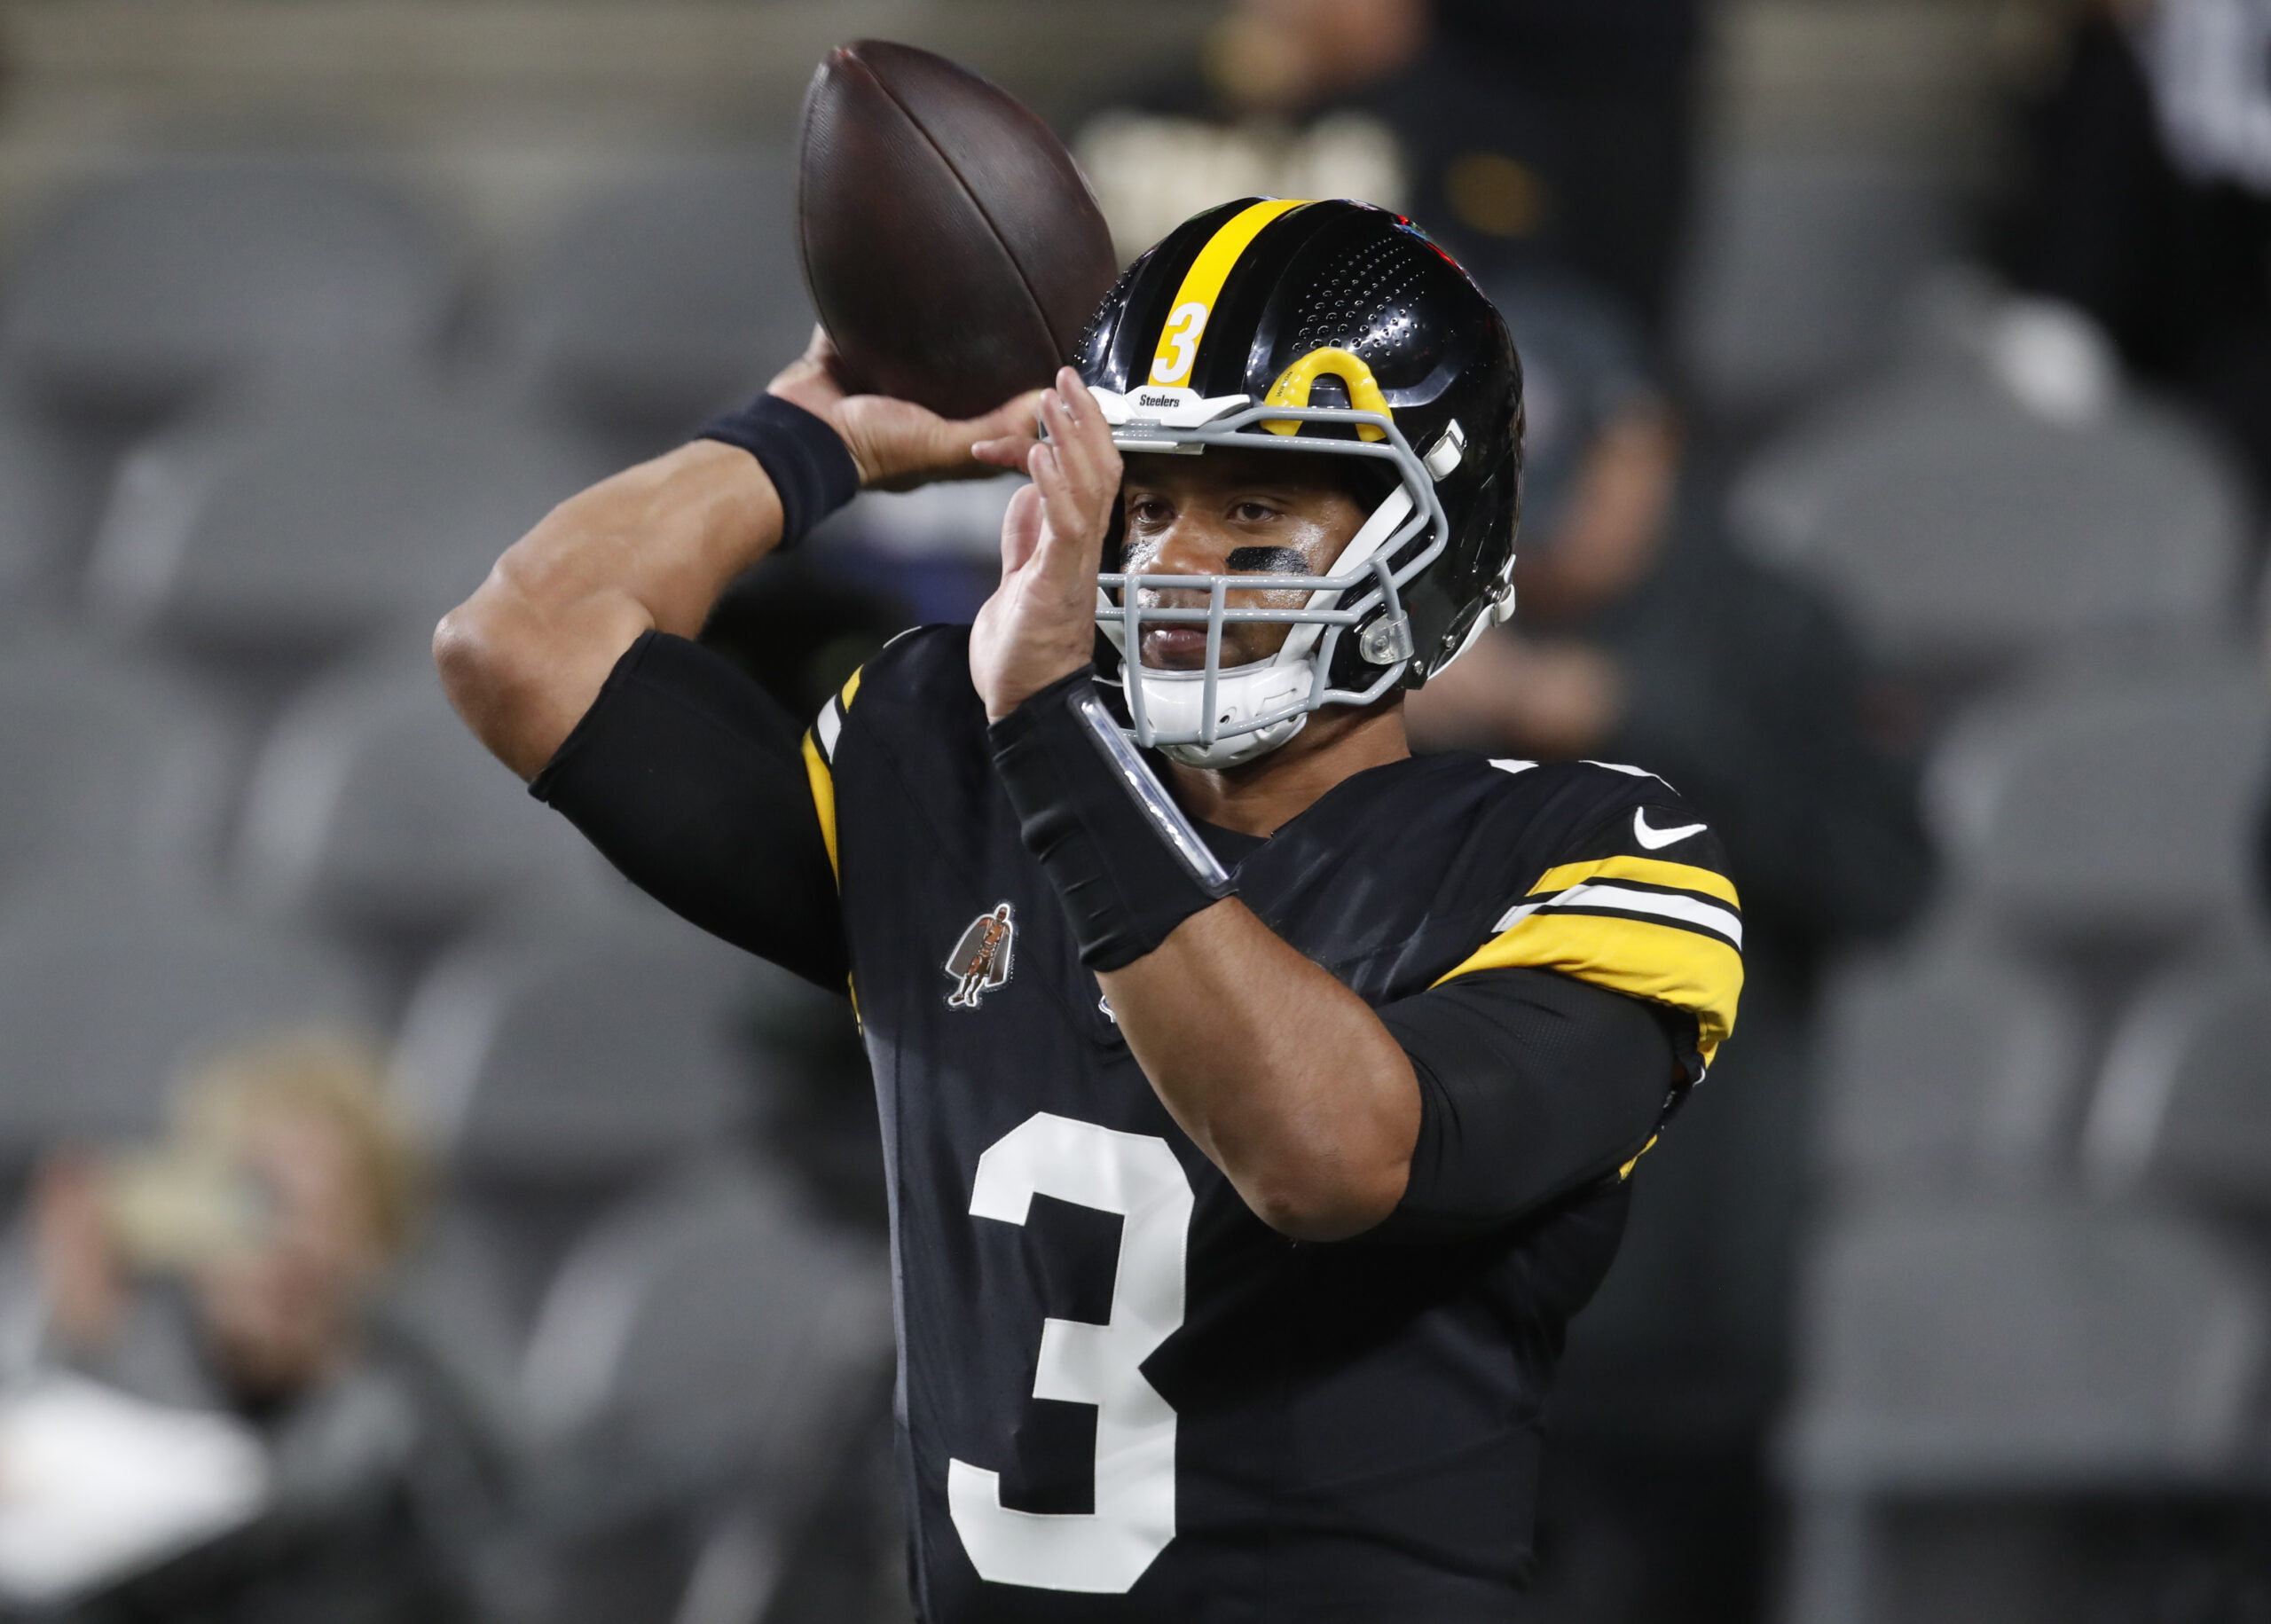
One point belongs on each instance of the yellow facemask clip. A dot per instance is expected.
(1293, 385)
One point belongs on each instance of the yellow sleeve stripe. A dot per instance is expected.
(1202, 286)
(1648, 870)
(820, 754)
(824, 783)
(1661, 962)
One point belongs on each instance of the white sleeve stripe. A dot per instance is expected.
(1515, 915)
(1688, 910)
(1618, 898)
(825, 727)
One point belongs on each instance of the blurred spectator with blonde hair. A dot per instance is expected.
(236, 1269)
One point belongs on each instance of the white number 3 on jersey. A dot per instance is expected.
(1136, 1176)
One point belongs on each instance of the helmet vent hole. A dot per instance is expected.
(1360, 304)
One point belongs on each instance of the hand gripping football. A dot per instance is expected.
(952, 249)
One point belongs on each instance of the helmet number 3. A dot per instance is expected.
(1180, 338)
(1136, 1176)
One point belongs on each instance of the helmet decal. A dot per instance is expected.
(1293, 385)
(1202, 286)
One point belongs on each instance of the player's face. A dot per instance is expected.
(1231, 513)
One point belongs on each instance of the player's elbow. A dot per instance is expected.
(1330, 1203)
(475, 661)
(1337, 1163)
(488, 659)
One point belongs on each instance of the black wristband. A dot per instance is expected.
(811, 471)
(1126, 862)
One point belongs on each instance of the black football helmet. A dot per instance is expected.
(1329, 328)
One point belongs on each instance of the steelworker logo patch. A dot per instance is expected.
(980, 961)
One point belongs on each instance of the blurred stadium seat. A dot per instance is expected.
(704, 1349)
(2007, 1359)
(451, 1296)
(1976, 1365)
(587, 1050)
(106, 992)
(370, 806)
(705, 1325)
(1941, 1070)
(137, 291)
(659, 303)
(1954, 525)
(1800, 262)
(112, 763)
(561, 1059)
(51, 487)
(2052, 1344)
(2183, 1106)
(303, 516)
(2112, 804)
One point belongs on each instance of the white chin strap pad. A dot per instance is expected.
(1245, 747)
(1173, 702)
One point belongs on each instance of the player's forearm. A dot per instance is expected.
(1281, 1074)
(652, 547)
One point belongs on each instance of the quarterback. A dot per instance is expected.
(1259, 1099)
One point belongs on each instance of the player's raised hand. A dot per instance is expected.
(898, 444)
(1040, 624)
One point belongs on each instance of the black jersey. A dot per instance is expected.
(1123, 1396)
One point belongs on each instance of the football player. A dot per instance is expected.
(1258, 1098)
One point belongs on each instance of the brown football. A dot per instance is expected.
(953, 250)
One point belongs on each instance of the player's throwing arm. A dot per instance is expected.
(652, 548)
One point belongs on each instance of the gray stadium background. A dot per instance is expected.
(309, 308)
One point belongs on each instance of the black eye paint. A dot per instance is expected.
(1265, 561)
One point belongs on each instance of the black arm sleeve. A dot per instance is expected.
(691, 779)
(1531, 1085)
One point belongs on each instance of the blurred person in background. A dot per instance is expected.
(1517, 131)
(2146, 199)
(1648, 637)
(1641, 636)
(1556, 131)
(236, 1269)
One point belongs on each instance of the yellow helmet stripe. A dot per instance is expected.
(1202, 285)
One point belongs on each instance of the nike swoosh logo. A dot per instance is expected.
(1656, 840)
